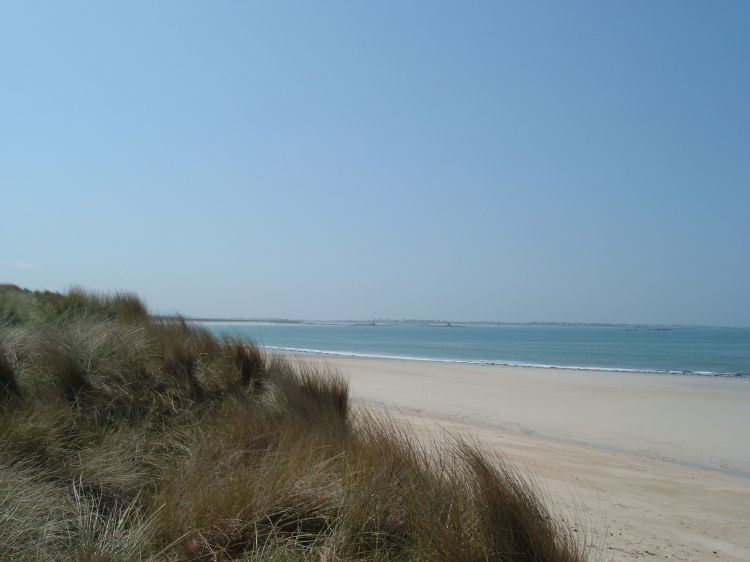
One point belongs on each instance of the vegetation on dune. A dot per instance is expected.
(126, 438)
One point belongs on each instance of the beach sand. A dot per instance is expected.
(653, 466)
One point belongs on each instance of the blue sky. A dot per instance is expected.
(585, 161)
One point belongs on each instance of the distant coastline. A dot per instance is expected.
(436, 323)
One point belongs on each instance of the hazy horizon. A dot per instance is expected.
(384, 320)
(546, 162)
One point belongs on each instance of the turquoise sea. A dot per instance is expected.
(681, 350)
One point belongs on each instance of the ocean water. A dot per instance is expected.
(682, 350)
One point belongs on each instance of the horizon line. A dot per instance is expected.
(441, 322)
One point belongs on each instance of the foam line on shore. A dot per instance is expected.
(499, 363)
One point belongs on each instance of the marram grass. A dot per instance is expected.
(124, 438)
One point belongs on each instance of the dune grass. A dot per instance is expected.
(127, 438)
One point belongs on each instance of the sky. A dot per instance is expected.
(505, 161)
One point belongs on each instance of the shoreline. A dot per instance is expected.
(652, 461)
(501, 363)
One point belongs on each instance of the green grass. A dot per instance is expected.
(126, 438)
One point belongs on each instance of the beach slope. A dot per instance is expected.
(655, 464)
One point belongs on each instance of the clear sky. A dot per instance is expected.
(512, 161)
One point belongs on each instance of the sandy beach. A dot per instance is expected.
(654, 466)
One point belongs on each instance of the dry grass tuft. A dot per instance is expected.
(127, 438)
(8, 385)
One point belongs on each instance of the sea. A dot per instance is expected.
(684, 350)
